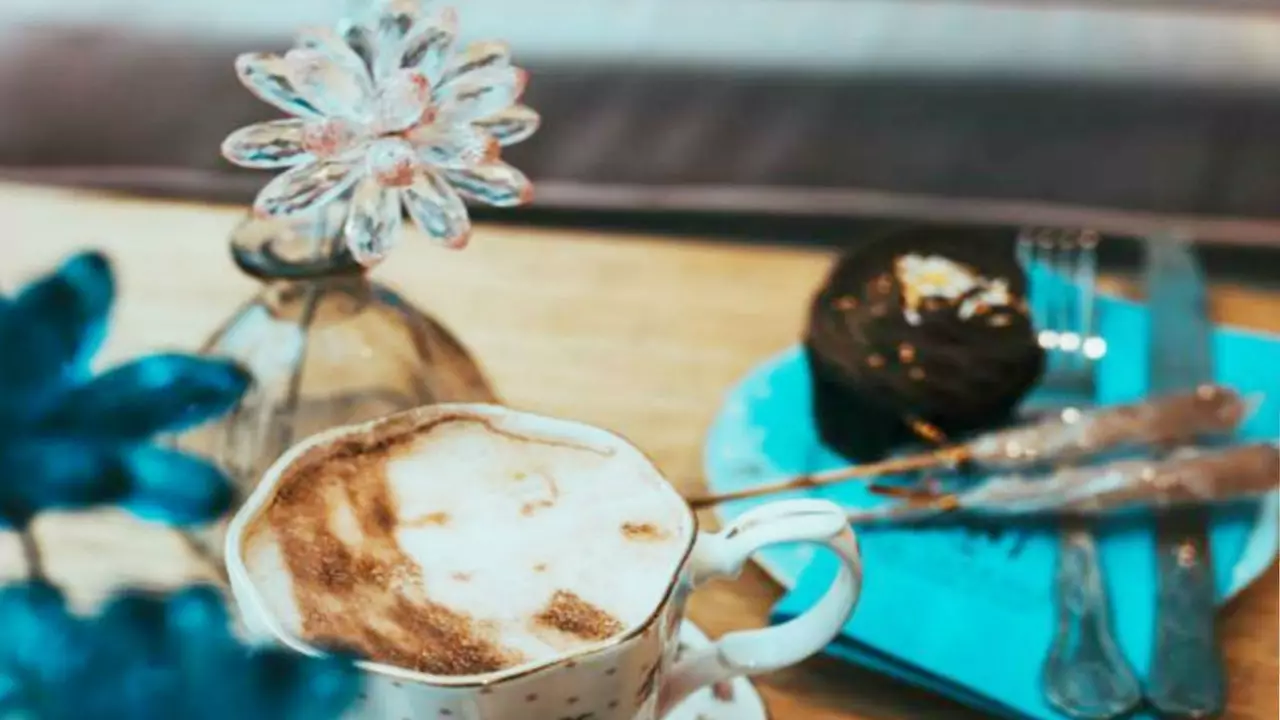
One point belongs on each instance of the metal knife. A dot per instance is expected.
(1188, 679)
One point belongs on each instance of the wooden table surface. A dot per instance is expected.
(551, 315)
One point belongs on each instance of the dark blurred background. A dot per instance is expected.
(786, 120)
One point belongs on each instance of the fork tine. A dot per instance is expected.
(1034, 264)
(1025, 249)
(1026, 252)
(1055, 307)
(1083, 644)
(1061, 266)
(1069, 265)
(1088, 284)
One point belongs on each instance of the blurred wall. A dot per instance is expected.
(1120, 115)
(1181, 41)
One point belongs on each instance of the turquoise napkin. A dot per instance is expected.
(967, 612)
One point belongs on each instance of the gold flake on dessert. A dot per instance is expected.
(994, 294)
(932, 276)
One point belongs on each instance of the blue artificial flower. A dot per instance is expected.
(148, 656)
(69, 439)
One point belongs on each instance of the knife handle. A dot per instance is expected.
(1085, 675)
(1188, 679)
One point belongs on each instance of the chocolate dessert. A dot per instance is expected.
(921, 334)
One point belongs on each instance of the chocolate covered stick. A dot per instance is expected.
(1208, 410)
(1192, 478)
(869, 471)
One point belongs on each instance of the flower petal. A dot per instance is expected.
(374, 222)
(496, 183)
(278, 143)
(174, 488)
(331, 76)
(391, 161)
(332, 138)
(426, 47)
(510, 126)
(361, 40)
(403, 99)
(438, 210)
(267, 75)
(391, 24)
(159, 393)
(480, 94)
(457, 146)
(57, 322)
(306, 187)
(477, 57)
(397, 17)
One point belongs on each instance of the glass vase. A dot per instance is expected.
(326, 346)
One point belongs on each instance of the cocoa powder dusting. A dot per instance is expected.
(642, 532)
(458, 649)
(438, 519)
(529, 508)
(723, 691)
(553, 494)
(368, 596)
(570, 614)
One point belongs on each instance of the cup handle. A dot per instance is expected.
(752, 652)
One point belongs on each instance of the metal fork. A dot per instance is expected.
(1085, 675)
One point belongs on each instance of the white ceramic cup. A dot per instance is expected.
(634, 676)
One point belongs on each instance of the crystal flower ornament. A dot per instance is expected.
(390, 115)
(70, 439)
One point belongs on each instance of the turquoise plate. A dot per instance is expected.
(932, 595)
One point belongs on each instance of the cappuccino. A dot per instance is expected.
(466, 540)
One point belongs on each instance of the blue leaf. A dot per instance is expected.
(198, 613)
(159, 393)
(152, 657)
(43, 642)
(199, 634)
(173, 487)
(52, 328)
(204, 646)
(91, 275)
(293, 687)
(324, 689)
(134, 677)
(14, 702)
(33, 622)
(42, 473)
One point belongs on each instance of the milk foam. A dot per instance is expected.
(550, 543)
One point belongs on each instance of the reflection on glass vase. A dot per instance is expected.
(326, 347)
